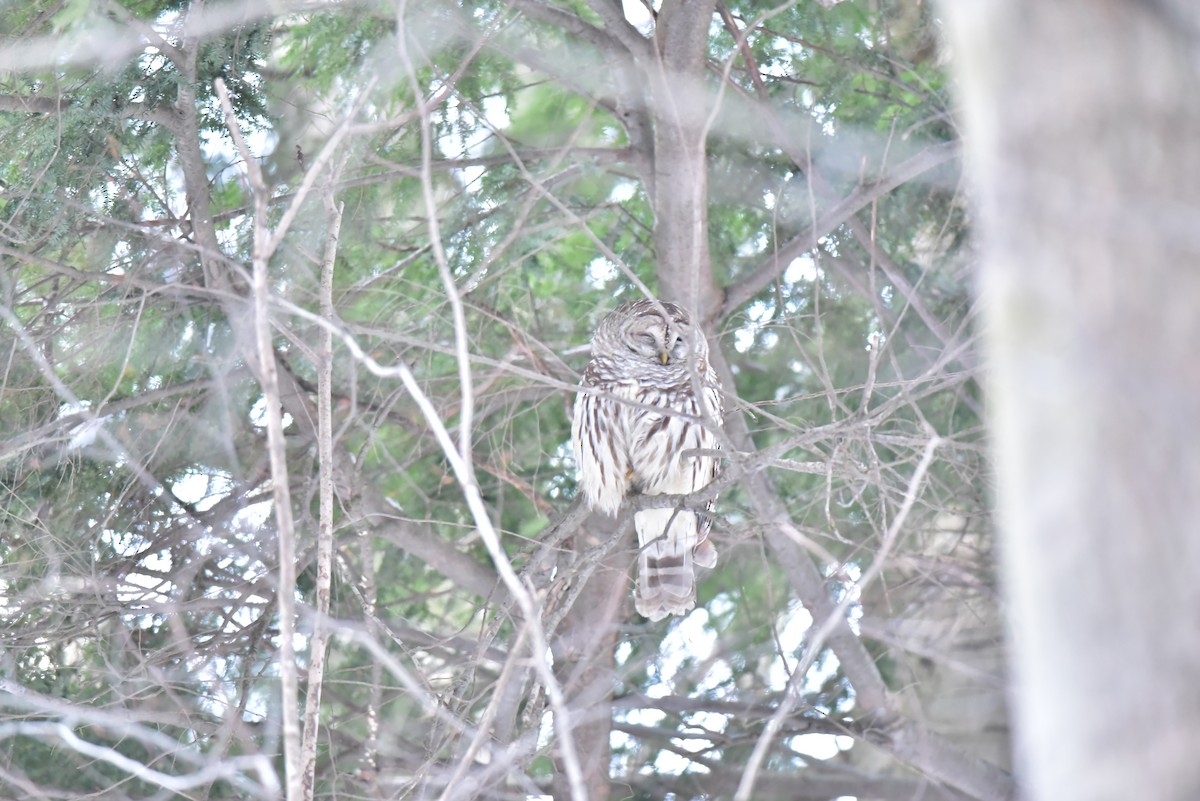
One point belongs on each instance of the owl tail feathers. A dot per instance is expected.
(666, 580)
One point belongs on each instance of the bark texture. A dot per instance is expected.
(1082, 120)
(583, 656)
(681, 103)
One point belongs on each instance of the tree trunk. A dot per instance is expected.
(584, 653)
(680, 104)
(1082, 122)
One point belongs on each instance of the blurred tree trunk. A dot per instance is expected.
(1082, 123)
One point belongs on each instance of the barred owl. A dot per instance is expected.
(646, 356)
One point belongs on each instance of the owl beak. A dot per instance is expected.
(665, 356)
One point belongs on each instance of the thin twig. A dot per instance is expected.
(453, 296)
(286, 530)
(230, 769)
(460, 456)
(488, 718)
(835, 618)
(320, 635)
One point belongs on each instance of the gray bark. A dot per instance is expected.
(680, 108)
(583, 655)
(1082, 121)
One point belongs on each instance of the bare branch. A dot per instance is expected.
(835, 618)
(320, 634)
(34, 104)
(231, 769)
(464, 472)
(285, 526)
(737, 295)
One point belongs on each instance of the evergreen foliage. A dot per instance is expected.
(137, 546)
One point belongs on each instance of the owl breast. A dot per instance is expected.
(663, 446)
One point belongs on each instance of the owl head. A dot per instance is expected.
(653, 331)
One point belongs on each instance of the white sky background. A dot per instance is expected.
(638, 15)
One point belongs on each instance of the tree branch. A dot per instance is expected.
(834, 619)
(613, 16)
(285, 591)
(945, 762)
(612, 40)
(460, 461)
(320, 634)
(32, 104)
(769, 270)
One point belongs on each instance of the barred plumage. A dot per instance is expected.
(646, 354)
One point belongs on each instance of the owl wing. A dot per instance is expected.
(598, 433)
(707, 469)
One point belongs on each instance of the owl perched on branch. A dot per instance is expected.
(648, 427)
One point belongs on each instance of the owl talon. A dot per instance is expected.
(705, 554)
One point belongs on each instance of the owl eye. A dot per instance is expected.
(641, 343)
